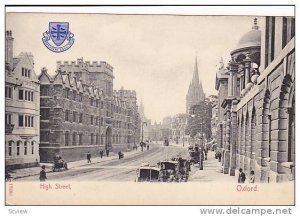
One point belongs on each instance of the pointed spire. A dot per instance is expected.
(195, 80)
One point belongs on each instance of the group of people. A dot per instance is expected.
(89, 156)
(242, 176)
(144, 145)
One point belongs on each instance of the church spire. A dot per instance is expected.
(195, 80)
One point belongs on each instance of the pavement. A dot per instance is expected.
(211, 171)
(32, 171)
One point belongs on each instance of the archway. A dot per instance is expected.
(108, 136)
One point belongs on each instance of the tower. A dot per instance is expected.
(195, 92)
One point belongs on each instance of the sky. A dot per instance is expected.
(151, 54)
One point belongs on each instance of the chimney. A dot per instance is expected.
(9, 42)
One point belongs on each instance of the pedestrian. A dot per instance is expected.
(219, 156)
(43, 176)
(147, 146)
(107, 152)
(101, 153)
(252, 177)
(120, 154)
(242, 176)
(88, 157)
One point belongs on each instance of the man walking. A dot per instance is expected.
(43, 176)
(107, 152)
(242, 176)
(88, 157)
(101, 153)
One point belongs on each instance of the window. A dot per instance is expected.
(92, 119)
(96, 121)
(8, 92)
(74, 138)
(101, 121)
(28, 120)
(288, 30)
(80, 138)
(92, 139)
(18, 147)
(74, 95)
(21, 120)
(32, 147)
(97, 139)
(25, 148)
(92, 102)
(97, 103)
(25, 95)
(66, 92)
(74, 116)
(8, 119)
(21, 94)
(270, 40)
(67, 138)
(80, 117)
(67, 115)
(101, 104)
(26, 72)
(10, 144)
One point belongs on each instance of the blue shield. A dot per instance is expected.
(58, 32)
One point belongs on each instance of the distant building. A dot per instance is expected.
(22, 113)
(178, 127)
(195, 92)
(256, 124)
(145, 123)
(80, 112)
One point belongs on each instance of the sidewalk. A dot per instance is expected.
(20, 173)
(211, 171)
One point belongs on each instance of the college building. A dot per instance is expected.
(81, 113)
(22, 115)
(256, 102)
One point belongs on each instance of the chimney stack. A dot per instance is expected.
(9, 41)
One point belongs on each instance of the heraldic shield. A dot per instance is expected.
(58, 32)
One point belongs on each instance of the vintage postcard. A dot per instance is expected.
(149, 109)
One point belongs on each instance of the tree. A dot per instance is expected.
(199, 119)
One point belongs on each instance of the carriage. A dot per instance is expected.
(148, 174)
(184, 168)
(170, 171)
(197, 156)
(59, 164)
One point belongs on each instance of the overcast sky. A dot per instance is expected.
(152, 54)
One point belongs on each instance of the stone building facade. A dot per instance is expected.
(80, 112)
(178, 127)
(22, 113)
(257, 116)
